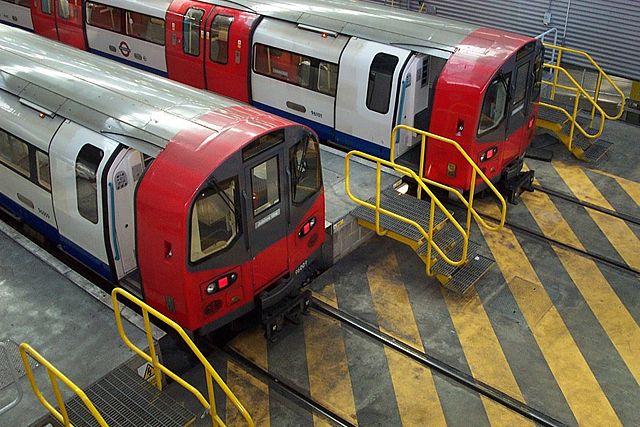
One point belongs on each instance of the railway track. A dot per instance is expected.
(465, 380)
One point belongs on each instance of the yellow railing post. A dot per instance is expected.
(596, 98)
(210, 373)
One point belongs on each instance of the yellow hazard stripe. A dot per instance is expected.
(615, 229)
(395, 317)
(603, 301)
(584, 395)
(632, 188)
(484, 355)
(329, 378)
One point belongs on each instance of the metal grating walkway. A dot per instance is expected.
(14, 363)
(125, 399)
(406, 206)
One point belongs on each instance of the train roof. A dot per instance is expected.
(398, 27)
(136, 108)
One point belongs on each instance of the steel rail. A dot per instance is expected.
(438, 365)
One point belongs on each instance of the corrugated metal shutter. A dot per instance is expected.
(609, 30)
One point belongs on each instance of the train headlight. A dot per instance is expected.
(489, 154)
(221, 283)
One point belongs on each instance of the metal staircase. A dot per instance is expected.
(122, 397)
(423, 222)
(570, 112)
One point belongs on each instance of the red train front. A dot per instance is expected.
(222, 218)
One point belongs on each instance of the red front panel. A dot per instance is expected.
(69, 23)
(185, 41)
(227, 62)
(43, 15)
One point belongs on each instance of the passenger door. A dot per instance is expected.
(367, 95)
(185, 42)
(77, 167)
(267, 213)
(122, 178)
(69, 23)
(44, 18)
(227, 61)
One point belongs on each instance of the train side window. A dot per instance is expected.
(87, 164)
(327, 78)
(265, 185)
(145, 27)
(214, 220)
(106, 17)
(306, 175)
(63, 9)
(220, 38)
(494, 104)
(191, 31)
(538, 75)
(46, 6)
(380, 82)
(42, 169)
(14, 153)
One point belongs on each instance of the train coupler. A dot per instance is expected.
(290, 308)
(516, 185)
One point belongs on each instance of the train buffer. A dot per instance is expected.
(575, 115)
(123, 397)
(425, 224)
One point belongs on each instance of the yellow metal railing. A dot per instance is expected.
(423, 185)
(601, 74)
(579, 93)
(55, 375)
(158, 367)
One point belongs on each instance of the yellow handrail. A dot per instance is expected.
(158, 367)
(27, 351)
(601, 74)
(476, 172)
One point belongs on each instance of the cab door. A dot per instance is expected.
(185, 42)
(122, 178)
(44, 18)
(267, 213)
(227, 34)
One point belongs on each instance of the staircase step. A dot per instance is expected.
(461, 279)
(597, 150)
(446, 239)
(401, 204)
(551, 115)
(123, 398)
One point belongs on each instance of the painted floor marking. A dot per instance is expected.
(603, 301)
(616, 230)
(329, 378)
(395, 317)
(584, 395)
(632, 188)
(484, 355)
(253, 393)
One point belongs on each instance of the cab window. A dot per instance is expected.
(214, 220)
(494, 105)
(306, 175)
(380, 82)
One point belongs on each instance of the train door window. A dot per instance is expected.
(14, 153)
(380, 82)
(63, 9)
(107, 17)
(522, 76)
(220, 38)
(46, 6)
(306, 175)
(494, 104)
(265, 185)
(191, 31)
(42, 169)
(214, 220)
(145, 27)
(87, 164)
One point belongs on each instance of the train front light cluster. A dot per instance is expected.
(489, 154)
(221, 283)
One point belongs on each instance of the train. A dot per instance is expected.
(206, 207)
(347, 69)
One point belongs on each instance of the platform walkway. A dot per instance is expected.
(67, 319)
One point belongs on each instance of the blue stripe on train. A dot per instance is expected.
(52, 234)
(327, 133)
(130, 63)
